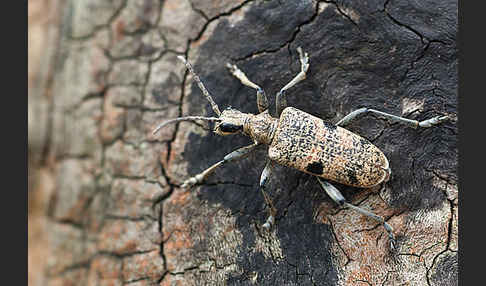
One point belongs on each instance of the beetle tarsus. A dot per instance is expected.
(269, 223)
(191, 182)
(433, 121)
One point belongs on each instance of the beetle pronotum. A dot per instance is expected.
(299, 140)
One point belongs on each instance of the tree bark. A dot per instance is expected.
(105, 202)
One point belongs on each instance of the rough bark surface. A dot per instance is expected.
(105, 203)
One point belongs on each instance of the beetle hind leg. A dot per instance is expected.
(412, 123)
(262, 101)
(336, 196)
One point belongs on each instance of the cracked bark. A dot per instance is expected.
(105, 201)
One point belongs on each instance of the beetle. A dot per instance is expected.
(302, 141)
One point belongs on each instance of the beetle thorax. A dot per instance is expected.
(260, 127)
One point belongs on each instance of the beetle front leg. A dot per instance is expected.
(336, 196)
(233, 156)
(281, 101)
(267, 171)
(262, 101)
(412, 123)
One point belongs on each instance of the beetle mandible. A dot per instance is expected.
(302, 141)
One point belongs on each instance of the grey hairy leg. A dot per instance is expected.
(262, 101)
(267, 171)
(412, 123)
(281, 101)
(233, 156)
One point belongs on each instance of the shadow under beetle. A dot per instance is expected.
(299, 140)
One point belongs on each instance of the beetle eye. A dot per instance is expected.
(229, 128)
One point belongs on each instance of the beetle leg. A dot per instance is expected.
(262, 101)
(233, 156)
(336, 196)
(412, 123)
(281, 102)
(267, 171)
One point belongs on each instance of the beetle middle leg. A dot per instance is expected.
(281, 101)
(336, 196)
(267, 171)
(412, 123)
(262, 101)
(233, 156)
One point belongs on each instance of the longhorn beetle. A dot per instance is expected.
(299, 140)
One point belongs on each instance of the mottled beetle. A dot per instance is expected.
(299, 140)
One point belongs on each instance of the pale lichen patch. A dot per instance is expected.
(449, 188)
(268, 244)
(238, 15)
(351, 14)
(322, 6)
(410, 105)
(427, 233)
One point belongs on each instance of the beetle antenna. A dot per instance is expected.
(214, 106)
(186, 118)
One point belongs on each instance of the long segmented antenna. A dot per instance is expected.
(214, 106)
(186, 118)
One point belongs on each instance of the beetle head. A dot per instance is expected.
(232, 122)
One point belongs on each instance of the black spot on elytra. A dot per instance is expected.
(315, 168)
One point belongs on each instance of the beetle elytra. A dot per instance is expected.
(299, 140)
